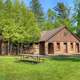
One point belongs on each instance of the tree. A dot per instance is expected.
(51, 15)
(1, 4)
(62, 10)
(38, 12)
(59, 16)
(77, 18)
(1, 14)
(18, 23)
(49, 22)
(63, 16)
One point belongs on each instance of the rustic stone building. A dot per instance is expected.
(59, 42)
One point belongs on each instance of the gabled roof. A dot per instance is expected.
(46, 35)
(76, 36)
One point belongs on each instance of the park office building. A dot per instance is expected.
(59, 41)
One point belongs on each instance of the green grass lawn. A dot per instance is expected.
(51, 69)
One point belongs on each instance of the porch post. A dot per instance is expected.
(46, 48)
(54, 47)
(74, 47)
(2, 47)
(68, 47)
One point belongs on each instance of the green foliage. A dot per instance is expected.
(62, 16)
(38, 12)
(48, 25)
(51, 15)
(59, 17)
(18, 23)
(62, 10)
(77, 18)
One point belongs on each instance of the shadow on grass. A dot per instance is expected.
(27, 61)
(73, 58)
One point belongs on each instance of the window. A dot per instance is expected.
(71, 46)
(58, 46)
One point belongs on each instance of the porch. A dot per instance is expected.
(59, 48)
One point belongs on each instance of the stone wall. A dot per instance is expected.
(61, 51)
(36, 48)
(69, 49)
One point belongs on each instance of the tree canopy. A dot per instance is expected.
(18, 23)
(37, 9)
(77, 16)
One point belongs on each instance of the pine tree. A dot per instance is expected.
(51, 15)
(63, 16)
(38, 12)
(77, 7)
(62, 10)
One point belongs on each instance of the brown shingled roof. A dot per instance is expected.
(46, 35)
(76, 36)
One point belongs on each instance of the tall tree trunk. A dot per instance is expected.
(8, 47)
(21, 50)
(11, 48)
(1, 47)
(18, 48)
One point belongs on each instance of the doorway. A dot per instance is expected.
(77, 47)
(42, 48)
(50, 48)
(65, 48)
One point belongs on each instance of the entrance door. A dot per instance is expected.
(50, 48)
(77, 47)
(42, 48)
(65, 48)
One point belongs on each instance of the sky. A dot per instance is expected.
(46, 4)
